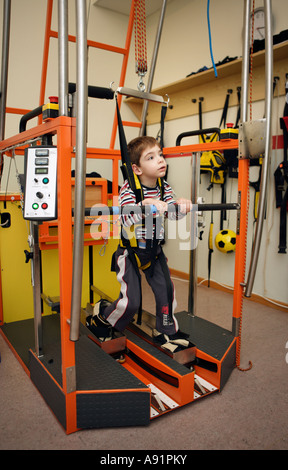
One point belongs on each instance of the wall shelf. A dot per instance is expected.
(212, 89)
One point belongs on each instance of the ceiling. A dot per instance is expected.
(124, 6)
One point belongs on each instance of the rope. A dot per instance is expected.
(140, 37)
(248, 197)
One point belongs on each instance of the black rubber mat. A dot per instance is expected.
(207, 337)
(21, 335)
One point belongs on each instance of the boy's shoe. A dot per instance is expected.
(172, 343)
(97, 323)
(98, 311)
(179, 335)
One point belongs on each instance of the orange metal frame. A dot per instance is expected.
(48, 240)
(241, 235)
(64, 128)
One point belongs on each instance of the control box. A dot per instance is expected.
(40, 192)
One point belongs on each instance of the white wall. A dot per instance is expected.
(184, 48)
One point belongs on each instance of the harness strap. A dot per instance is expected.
(163, 115)
(239, 107)
(281, 177)
(225, 109)
(283, 224)
(167, 277)
(126, 167)
(210, 247)
(133, 260)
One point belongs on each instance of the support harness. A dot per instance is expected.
(129, 242)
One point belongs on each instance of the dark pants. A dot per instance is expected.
(122, 311)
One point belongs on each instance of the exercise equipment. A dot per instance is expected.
(281, 179)
(85, 385)
(256, 145)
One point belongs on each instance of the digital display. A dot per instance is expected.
(41, 171)
(42, 152)
(41, 161)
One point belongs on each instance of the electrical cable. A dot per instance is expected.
(210, 40)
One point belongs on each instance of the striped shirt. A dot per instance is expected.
(144, 230)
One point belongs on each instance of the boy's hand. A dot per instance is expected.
(185, 205)
(161, 206)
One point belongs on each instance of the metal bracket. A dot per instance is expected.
(71, 379)
(129, 92)
(252, 138)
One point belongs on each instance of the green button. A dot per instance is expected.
(45, 180)
(35, 205)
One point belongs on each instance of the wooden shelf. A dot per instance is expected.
(214, 89)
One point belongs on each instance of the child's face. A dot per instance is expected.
(152, 165)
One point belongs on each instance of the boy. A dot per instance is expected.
(148, 164)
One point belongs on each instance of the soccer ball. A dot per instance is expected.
(225, 241)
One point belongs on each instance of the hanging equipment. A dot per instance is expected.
(259, 162)
(210, 247)
(212, 161)
(231, 155)
(281, 178)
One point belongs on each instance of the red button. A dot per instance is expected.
(44, 205)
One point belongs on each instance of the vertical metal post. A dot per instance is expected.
(36, 283)
(80, 167)
(63, 56)
(243, 189)
(153, 65)
(192, 297)
(245, 62)
(266, 159)
(4, 65)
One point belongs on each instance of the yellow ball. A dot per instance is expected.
(225, 241)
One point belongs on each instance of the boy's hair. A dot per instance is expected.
(138, 145)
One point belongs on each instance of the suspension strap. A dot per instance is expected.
(126, 166)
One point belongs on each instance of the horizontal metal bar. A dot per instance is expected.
(150, 209)
(141, 94)
(210, 130)
(94, 91)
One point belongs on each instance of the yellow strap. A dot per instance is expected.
(211, 237)
(137, 182)
(144, 266)
(256, 202)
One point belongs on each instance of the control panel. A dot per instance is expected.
(40, 193)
